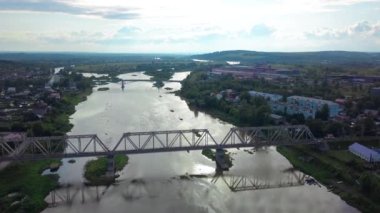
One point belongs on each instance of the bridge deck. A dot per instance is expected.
(35, 148)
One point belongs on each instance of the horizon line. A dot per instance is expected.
(172, 53)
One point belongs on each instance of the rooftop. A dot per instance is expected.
(363, 149)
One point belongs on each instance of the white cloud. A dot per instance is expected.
(362, 29)
(120, 25)
(70, 7)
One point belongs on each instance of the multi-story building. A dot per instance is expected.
(274, 100)
(297, 104)
(267, 96)
(309, 106)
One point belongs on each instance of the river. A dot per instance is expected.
(150, 182)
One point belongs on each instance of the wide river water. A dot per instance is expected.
(151, 183)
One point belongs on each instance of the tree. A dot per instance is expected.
(245, 96)
(323, 113)
(18, 126)
(316, 127)
(367, 126)
(334, 128)
(297, 118)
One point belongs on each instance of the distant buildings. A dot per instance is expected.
(267, 96)
(257, 71)
(238, 72)
(355, 78)
(298, 104)
(365, 153)
(274, 100)
(229, 95)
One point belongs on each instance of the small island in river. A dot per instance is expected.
(103, 88)
(95, 170)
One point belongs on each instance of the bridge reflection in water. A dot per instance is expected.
(138, 188)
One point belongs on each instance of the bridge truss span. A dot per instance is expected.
(268, 136)
(156, 141)
(34, 148)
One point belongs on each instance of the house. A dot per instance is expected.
(40, 109)
(365, 153)
(11, 90)
(40, 112)
(219, 96)
(55, 95)
(231, 95)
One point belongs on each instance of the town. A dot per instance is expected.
(34, 102)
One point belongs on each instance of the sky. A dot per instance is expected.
(189, 26)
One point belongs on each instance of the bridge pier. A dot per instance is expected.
(220, 160)
(111, 167)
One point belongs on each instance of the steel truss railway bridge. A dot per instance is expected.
(72, 146)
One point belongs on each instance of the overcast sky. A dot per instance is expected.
(189, 26)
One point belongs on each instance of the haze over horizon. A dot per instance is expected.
(169, 26)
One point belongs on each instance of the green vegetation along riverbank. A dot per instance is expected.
(95, 170)
(23, 188)
(341, 172)
(160, 70)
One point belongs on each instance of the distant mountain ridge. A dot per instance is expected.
(322, 57)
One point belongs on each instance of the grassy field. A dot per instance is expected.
(23, 188)
(340, 171)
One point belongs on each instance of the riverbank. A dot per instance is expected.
(95, 170)
(341, 172)
(23, 188)
(344, 174)
(24, 180)
(209, 95)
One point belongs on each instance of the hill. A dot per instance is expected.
(323, 57)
